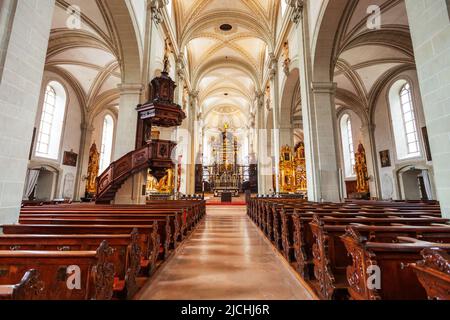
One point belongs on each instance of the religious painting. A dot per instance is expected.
(385, 158)
(70, 159)
(427, 144)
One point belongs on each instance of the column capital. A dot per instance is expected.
(297, 10)
(87, 127)
(130, 88)
(259, 97)
(194, 94)
(368, 128)
(156, 7)
(324, 87)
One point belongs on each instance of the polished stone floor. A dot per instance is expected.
(226, 258)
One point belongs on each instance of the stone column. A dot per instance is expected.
(261, 136)
(430, 28)
(274, 93)
(22, 66)
(322, 127)
(196, 139)
(130, 95)
(319, 120)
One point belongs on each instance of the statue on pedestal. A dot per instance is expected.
(93, 171)
(167, 183)
(362, 180)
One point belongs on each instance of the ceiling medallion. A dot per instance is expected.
(226, 27)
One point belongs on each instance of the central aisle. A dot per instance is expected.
(226, 258)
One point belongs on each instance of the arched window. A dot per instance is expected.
(52, 119)
(348, 146)
(107, 143)
(409, 120)
(404, 120)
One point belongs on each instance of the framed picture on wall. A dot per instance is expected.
(385, 158)
(427, 144)
(70, 159)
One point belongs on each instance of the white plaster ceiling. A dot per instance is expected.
(366, 57)
(85, 57)
(225, 62)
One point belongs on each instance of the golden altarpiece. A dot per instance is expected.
(362, 175)
(293, 170)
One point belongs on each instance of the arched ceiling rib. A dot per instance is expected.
(88, 56)
(226, 67)
(366, 57)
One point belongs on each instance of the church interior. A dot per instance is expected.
(224, 149)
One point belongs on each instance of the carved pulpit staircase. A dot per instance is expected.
(159, 111)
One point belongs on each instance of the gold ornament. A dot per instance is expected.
(362, 180)
(93, 170)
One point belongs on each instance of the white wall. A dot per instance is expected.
(430, 30)
(19, 94)
(384, 138)
(71, 134)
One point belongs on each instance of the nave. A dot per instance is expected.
(226, 258)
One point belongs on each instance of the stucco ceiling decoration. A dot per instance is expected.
(365, 59)
(87, 57)
(226, 66)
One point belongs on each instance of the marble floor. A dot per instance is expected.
(226, 258)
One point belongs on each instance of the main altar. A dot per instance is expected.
(224, 174)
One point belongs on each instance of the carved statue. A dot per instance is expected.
(152, 183)
(167, 183)
(286, 58)
(362, 185)
(167, 52)
(93, 170)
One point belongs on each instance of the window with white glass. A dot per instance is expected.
(107, 143)
(409, 120)
(348, 146)
(404, 125)
(52, 120)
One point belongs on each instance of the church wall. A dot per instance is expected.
(70, 139)
(23, 66)
(384, 139)
(430, 29)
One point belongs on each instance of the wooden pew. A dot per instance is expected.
(396, 280)
(186, 222)
(433, 272)
(149, 239)
(97, 273)
(168, 227)
(126, 255)
(330, 255)
(29, 288)
(297, 237)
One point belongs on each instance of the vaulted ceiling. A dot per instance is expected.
(366, 58)
(86, 54)
(226, 65)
